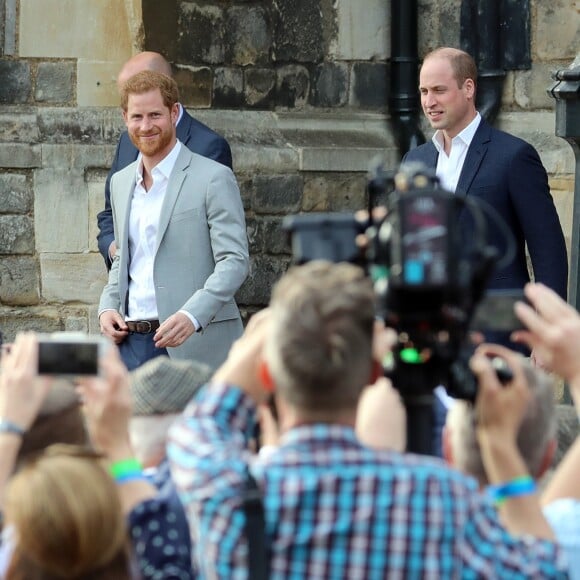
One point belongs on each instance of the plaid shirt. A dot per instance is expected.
(334, 508)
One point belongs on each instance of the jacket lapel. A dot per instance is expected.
(174, 186)
(474, 157)
(123, 196)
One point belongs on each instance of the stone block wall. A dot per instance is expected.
(291, 54)
(297, 87)
(287, 164)
(50, 272)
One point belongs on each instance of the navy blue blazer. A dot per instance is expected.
(196, 136)
(507, 173)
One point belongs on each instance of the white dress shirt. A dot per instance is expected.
(448, 170)
(449, 166)
(143, 226)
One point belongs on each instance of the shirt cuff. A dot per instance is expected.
(192, 318)
(105, 310)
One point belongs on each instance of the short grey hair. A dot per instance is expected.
(538, 428)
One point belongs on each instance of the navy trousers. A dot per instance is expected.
(137, 349)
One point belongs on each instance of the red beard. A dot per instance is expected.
(151, 147)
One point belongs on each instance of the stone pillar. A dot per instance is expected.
(566, 91)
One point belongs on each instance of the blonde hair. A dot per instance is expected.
(67, 517)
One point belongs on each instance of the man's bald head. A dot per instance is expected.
(143, 61)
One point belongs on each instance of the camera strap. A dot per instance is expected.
(255, 530)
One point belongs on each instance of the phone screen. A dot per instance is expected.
(68, 358)
(424, 241)
(496, 311)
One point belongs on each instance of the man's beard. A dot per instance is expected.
(150, 148)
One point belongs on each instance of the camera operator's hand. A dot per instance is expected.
(500, 410)
(553, 332)
(108, 405)
(113, 325)
(242, 367)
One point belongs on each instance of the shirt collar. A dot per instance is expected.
(164, 167)
(320, 432)
(465, 136)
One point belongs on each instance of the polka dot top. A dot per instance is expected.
(160, 550)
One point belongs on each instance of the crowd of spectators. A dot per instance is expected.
(149, 474)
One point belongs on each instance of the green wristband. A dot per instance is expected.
(125, 467)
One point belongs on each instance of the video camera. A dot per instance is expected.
(429, 271)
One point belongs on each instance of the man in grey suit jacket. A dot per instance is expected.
(198, 137)
(183, 251)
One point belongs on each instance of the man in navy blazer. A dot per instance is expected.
(196, 136)
(470, 157)
(473, 158)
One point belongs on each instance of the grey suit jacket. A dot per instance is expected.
(201, 257)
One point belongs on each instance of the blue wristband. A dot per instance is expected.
(517, 487)
(128, 477)
(7, 426)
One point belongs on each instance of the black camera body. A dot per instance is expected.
(432, 281)
(429, 277)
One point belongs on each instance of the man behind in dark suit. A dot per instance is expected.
(196, 136)
(472, 158)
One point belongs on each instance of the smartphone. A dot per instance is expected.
(496, 311)
(66, 353)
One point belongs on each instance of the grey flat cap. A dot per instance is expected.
(163, 385)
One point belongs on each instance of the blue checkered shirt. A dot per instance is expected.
(334, 508)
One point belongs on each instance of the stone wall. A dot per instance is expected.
(298, 87)
(266, 55)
